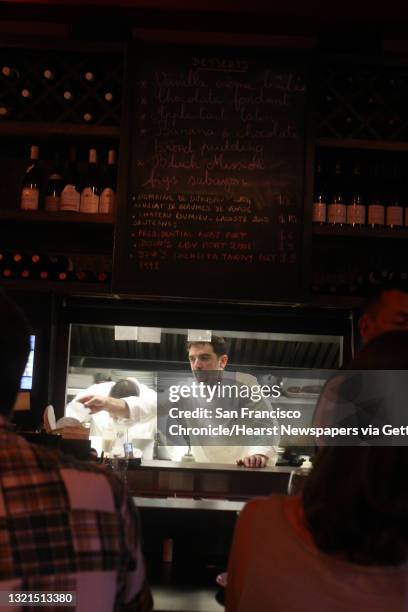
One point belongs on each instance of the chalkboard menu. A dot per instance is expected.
(213, 206)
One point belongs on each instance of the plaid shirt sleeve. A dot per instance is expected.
(68, 526)
(136, 592)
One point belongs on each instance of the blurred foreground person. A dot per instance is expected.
(66, 526)
(343, 545)
(384, 310)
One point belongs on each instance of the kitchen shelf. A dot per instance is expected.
(335, 231)
(55, 217)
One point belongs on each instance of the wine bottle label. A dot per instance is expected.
(52, 202)
(376, 214)
(89, 201)
(29, 198)
(107, 200)
(319, 212)
(356, 214)
(70, 198)
(336, 213)
(395, 217)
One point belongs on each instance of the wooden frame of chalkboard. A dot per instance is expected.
(212, 191)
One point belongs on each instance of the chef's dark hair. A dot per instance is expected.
(217, 342)
(14, 350)
(124, 388)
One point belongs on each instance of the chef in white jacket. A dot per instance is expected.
(126, 405)
(207, 361)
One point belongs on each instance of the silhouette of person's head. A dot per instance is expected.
(14, 350)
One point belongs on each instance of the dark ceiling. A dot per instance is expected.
(362, 20)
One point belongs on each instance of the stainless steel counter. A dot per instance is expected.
(180, 503)
(214, 467)
(168, 479)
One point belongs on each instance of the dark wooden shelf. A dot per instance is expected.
(55, 217)
(335, 231)
(354, 143)
(346, 302)
(67, 130)
(70, 288)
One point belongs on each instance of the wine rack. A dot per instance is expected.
(58, 95)
(60, 87)
(362, 101)
(361, 120)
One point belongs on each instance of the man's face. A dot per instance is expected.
(391, 313)
(203, 358)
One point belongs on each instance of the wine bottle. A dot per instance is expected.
(8, 272)
(30, 192)
(320, 198)
(9, 72)
(108, 185)
(109, 93)
(89, 74)
(70, 193)
(43, 275)
(356, 213)
(48, 72)
(394, 213)
(83, 276)
(68, 92)
(38, 263)
(90, 112)
(26, 273)
(66, 275)
(376, 211)
(19, 262)
(102, 277)
(54, 187)
(336, 210)
(26, 92)
(109, 96)
(91, 186)
(6, 105)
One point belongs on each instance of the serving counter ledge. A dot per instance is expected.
(168, 479)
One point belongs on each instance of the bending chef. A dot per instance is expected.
(128, 402)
